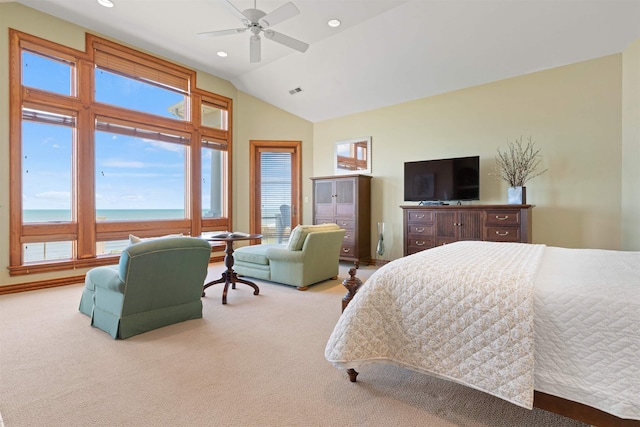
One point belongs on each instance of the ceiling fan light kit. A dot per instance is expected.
(254, 49)
(258, 21)
(105, 3)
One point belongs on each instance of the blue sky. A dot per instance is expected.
(131, 172)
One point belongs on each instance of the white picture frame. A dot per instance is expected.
(352, 156)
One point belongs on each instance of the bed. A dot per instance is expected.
(550, 327)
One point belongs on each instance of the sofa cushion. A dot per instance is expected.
(255, 254)
(296, 240)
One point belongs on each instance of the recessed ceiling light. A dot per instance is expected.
(106, 3)
(222, 54)
(334, 23)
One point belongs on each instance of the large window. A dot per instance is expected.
(108, 143)
(47, 164)
(139, 174)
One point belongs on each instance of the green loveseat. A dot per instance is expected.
(156, 283)
(311, 256)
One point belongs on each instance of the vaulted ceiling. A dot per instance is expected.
(384, 53)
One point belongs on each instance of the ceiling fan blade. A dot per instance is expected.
(241, 16)
(286, 40)
(284, 12)
(219, 33)
(254, 49)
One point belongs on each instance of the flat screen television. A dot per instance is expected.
(442, 180)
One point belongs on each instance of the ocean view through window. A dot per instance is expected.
(47, 161)
(39, 251)
(61, 215)
(105, 146)
(139, 172)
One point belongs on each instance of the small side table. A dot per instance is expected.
(229, 276)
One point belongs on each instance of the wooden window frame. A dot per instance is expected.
(84, 229)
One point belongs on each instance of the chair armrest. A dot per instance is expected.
(107, 278)
(284, 254)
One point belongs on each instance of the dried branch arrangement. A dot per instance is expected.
(519, 163)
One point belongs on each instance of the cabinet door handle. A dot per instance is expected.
(420, 243)
(344, 223)
(419, 229)
(347, 236)
(345, 250)
(420, 216)
(501, 218)
(506, 233)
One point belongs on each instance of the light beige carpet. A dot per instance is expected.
(258, 361)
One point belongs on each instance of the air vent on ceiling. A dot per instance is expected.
(296, 90)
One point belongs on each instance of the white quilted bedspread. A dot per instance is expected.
(463, 312)
(587, 328)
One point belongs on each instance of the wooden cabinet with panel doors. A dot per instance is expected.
(346, 201)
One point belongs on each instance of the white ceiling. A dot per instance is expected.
(386, 51)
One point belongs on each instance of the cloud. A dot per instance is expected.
(176, 148)
(54, 196)
(133, 198)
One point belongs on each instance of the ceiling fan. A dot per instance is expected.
(258, 22)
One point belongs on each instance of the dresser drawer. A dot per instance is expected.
(503, 234)
(502, 217)
(347, 250)
(349, 236)
(346, 223)
(420, 230)
(420, 216)
(417, 245)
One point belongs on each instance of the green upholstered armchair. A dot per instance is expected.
(311, 256)
(156, 283)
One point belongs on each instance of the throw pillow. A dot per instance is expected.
(135, 239)
(296, 239)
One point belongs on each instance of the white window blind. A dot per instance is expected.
(275, 193)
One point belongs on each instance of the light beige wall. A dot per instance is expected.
(253, 119)
(258, 120)
(573, 114)
(631, 147)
